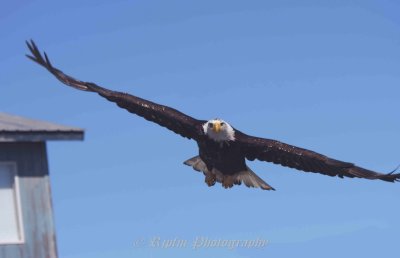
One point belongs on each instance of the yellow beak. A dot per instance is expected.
(217, 127)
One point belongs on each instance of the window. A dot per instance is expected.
(10, 213)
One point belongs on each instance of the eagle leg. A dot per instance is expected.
(210, 179)
(228, 181)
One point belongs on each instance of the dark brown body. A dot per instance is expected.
(227, 157)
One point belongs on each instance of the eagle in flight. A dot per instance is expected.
(223, 150)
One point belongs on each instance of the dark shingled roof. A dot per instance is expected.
(15, 128)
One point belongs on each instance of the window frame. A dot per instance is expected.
(18, 206)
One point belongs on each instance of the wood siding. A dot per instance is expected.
(35, 194)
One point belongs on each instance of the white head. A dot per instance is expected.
(219, 130)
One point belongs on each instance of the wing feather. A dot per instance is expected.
(165, 116)
(303, 159)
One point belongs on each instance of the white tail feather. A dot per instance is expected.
(248, 177)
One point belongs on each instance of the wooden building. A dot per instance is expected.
(26, 215)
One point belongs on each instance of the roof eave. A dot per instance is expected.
(40, 136)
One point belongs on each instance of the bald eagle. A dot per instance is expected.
(223, 150)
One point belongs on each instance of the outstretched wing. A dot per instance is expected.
(302, 159)
(170, 118)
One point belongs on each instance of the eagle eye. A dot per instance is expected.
(222, 123)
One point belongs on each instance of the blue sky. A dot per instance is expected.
(322, 75)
